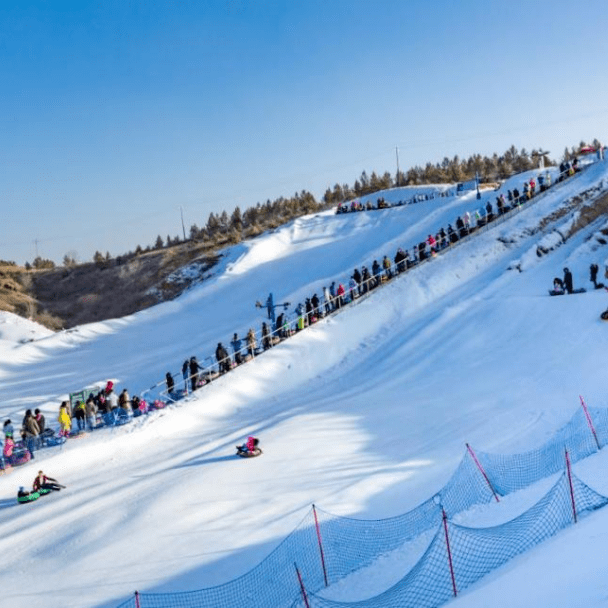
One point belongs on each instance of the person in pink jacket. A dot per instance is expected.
(249, 447)
(7, 451)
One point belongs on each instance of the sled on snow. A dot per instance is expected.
(246, 453)
(32, 496)
(553, 292)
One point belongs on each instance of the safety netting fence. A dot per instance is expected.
(325, 548)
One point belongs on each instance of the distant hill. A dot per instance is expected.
(62, 297)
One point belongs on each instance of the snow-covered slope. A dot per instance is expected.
(365, 414)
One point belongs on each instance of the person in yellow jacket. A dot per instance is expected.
(65, 421)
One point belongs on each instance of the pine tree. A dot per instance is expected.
(195, 232)
(159, 244)
(213, 225)
(236, 220)
(99, 259)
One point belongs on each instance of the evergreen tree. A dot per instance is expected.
(224, 222)
(195, 232)
(159, 244)
(213, 225)
(236, 220)
(99, 259)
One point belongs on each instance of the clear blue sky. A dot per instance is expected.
(115, 113)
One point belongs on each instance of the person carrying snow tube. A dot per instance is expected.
(44, 484)
(250, 448)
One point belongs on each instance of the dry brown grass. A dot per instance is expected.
(65, 297)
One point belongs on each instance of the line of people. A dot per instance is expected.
(360, 283)
(381, 203)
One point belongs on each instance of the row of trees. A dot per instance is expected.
(224, 228)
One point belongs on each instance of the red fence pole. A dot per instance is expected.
(590, 423)
(571, 488)
(302, 589)
(137, 604)
(314, 510)
(482, 471)
(447, 543)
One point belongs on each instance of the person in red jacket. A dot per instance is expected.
(42, 482)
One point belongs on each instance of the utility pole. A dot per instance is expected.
(397, 154)
(181, 209)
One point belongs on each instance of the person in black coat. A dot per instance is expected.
(194, 369)
(489, 211)
(266, 340)
(567, 280)
(460, 227)
(400, 260)
(315, 305)
(223, 358)
(593, 270)
(186, 374)
(170, 383)
(366, 279)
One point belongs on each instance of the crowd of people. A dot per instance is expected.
(515, 197)
(106, 407)
(102, 408)
(337, 294)
(381, 203)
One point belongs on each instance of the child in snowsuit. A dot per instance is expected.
(64, 421)
(7, 451)
(249, 446)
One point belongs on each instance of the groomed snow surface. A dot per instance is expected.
(366, 414)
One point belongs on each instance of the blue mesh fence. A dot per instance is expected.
(517, 471)
(465, 488)
(349, 544)
(475, 552)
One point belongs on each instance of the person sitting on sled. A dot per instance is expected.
(558, 285)
(249, 446)
(42, 482)
(22, 492)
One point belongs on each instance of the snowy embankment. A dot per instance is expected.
(366, 414)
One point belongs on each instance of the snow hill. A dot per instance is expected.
(365, 414)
